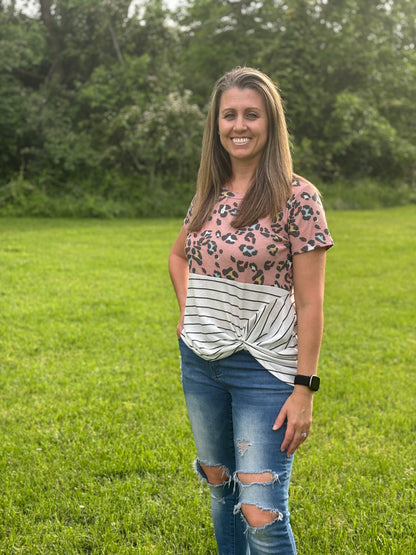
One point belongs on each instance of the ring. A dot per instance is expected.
(303, 434)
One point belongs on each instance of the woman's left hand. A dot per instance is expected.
(297, 411)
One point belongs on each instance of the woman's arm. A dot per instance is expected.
(308, 283)
(179, 271)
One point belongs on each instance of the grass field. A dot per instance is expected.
(96, 448)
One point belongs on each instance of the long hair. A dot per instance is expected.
(272, 182)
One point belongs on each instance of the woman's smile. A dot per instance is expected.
(240, 141)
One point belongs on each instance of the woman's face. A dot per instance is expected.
(243, 124)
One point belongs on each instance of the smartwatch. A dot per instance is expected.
(312, 382)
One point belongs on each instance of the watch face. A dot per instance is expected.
(314, 383)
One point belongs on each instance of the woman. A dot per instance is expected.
(248, 272)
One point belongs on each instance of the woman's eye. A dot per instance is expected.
(252, 115)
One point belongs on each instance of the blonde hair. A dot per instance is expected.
(272, 182)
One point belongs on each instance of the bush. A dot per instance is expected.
(128, 198)
(365, 194)
(21, 198)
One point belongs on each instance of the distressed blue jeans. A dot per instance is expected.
(232, 405)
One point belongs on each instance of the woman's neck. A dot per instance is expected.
(241, 179)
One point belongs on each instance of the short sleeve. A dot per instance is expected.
(308, 229)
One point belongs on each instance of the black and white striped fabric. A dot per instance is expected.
(224, 316)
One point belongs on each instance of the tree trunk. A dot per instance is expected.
(54, 41)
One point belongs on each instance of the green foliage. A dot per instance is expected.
(363, 138)
(126, 198)
(221, 35)
(22, 44)
(98, 99)
(365, 193)
(110, 102)
(342, 66)
(96, 446)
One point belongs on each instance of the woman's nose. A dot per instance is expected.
(240, 123)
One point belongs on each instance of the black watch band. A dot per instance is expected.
(312, 382)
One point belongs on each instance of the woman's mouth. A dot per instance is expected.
(240, 140)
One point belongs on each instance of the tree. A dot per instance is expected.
(107, 110)
(22, 44)
(220, 35)
(333, 53)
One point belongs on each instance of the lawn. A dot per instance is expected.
(96, 448)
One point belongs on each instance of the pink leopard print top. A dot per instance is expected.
(261, 253)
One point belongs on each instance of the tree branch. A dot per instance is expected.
(115, 44)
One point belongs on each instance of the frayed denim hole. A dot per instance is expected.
(275, 478)
(201, 473)
(243, 445)
(279, 517)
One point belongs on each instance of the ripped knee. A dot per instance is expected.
(216, 475)
(255, 515)
(250, 478)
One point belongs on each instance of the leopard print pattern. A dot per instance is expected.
(261, 253)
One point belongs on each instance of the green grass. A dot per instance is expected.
(96, 448)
